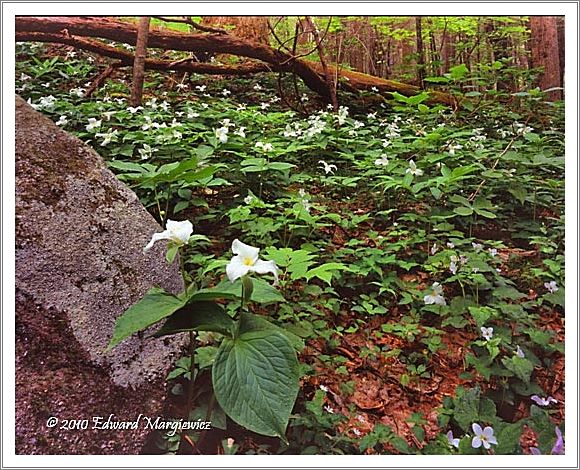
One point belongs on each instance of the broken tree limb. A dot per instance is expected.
(120, 31)
(126, 58)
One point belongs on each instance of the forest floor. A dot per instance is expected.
(403, 232)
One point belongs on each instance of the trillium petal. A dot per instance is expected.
(245, 251)
(263, 267)
(486, 444)
(236, 268)
(476, 442)
(165, 235)
(180, 231)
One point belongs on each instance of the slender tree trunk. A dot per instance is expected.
(546, 54)
(420, 52)
(327, 74)
(561, 47)
(139, 63)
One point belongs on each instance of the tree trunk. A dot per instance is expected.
(66, 29)
(546, 54)
(327, 74)
(139, 63)
(420, 52)
(561, 47)
(251, 28)
(500, 49)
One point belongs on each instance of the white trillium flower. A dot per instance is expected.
(493, 252)
(62, 121)
(413, 169)
(436, 296)
(519, 352)
(176, 232)
(246, 261)
(265, 147)
(327, 168)
(108, 137)
(222, 134)
(382, 161)
(482, 436)
(133, 110)
(248, 199)
(487, 333)
(109, 114)
(93, 124)
(241, 132)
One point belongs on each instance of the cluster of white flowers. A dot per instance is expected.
(342, 114)
(146, 152)
(316, 126)
(45, 102)
(522, 129)
(476, 141)
(78, 92)
(304, 201)
(392, 130)
(266, 147)
(191, 114)
(150, 124)
(451, 148)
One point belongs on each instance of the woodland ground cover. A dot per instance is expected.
(420, 248)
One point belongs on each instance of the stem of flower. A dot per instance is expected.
(191, 372)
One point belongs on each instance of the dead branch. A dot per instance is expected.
(194, 24)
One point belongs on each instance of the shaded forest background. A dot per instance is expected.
(413, 49)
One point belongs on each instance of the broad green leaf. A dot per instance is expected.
(484, 213)
(508, 438)
(198, 316)
(153, 307)
(520, 366)
(251, 322)
(325, 271)
(280, 166)
(460, 199)
(463, 211)
(255, 379)
(263, 292)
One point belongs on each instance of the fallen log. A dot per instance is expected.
(64, 30)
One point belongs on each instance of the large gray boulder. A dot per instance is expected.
(79, 264)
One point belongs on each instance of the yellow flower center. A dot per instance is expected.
(248, 261)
